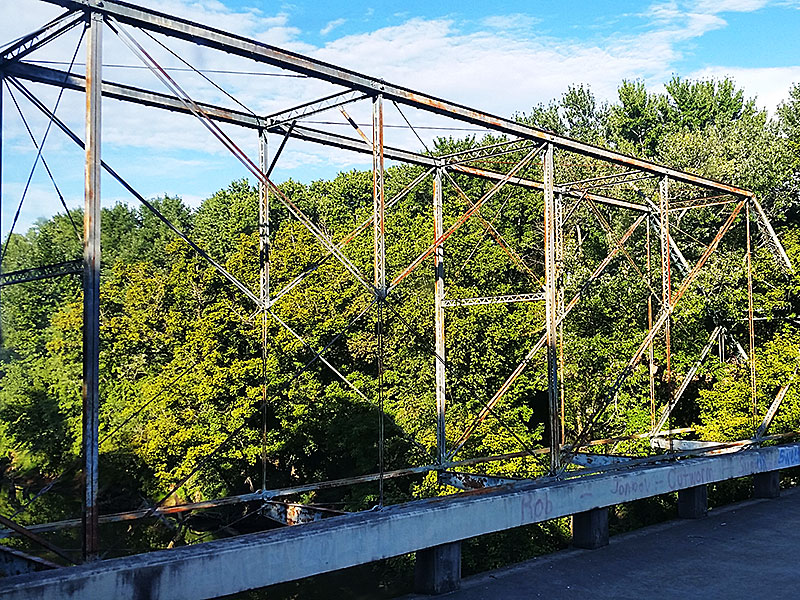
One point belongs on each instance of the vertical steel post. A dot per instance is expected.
(750, 322)
(377, 196)
(438, 263)
(651, 349)
(263, 280)
(666, 277)
(559, 213)
(551, 306)
(91, 286)
(2, 88)
(379, 281)
(263, 218)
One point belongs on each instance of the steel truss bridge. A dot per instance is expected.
(432, 528)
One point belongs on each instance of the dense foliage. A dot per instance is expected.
(193, 404)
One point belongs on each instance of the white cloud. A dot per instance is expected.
(718, 6)
(511, 22)
(676, 22)
(496, 71)
(671, 23)
(663, 12)
(40, 200)
(771, 83)
(331, 26)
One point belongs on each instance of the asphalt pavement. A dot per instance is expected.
(745, 550)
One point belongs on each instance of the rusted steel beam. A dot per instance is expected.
(560, 296)
(700, 203)
(673, 402)
(291, 61)
(35, 538)
(264, 272)
(267, 169)
(144, 513)
(609, 184)
(461, 220)
(356, 127)
(486, 152)
(675, 249)
(750, 322)
(537, 185)
(673, 455)
(666, 278)
(127, 93)
(72, 267)
(580, 182)
(477, 152)
(773, 408)
(336, 483)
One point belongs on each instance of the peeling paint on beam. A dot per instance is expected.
(689, 445)
(127, 93)
(474, 481)
(262, 559)
(585, 459)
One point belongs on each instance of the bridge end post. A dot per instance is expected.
(438, 569)
(590, 529)
(767, 485)
(693, 502)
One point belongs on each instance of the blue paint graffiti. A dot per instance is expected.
(789, 457)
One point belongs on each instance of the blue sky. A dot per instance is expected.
(503, 57)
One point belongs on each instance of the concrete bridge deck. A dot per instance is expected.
(745, 550)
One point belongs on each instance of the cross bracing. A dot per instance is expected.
(533, 155)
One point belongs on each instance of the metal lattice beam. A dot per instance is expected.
(284, 59)
(72, 267)
(509, 298)
(144, 97)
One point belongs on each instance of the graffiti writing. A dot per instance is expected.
(536, 508)
(678, 480)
